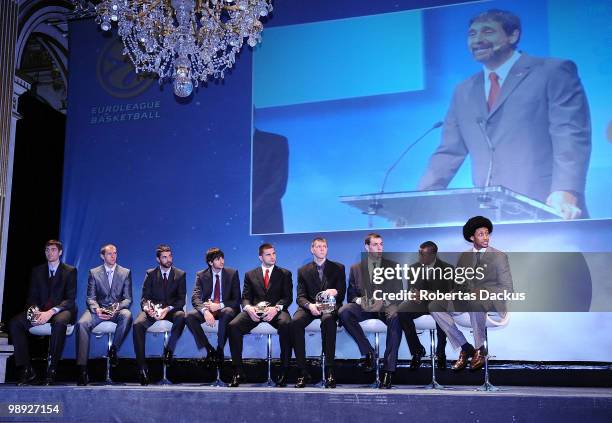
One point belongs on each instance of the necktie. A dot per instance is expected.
(49, 302)
(217, 294)
(320, 272)
(493, 90)
(165, 279)
(267, 278)
(478, 256)
(109, 275)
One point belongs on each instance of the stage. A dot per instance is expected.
(191, 402)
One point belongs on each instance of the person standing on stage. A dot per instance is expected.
(109, 297)
(52, 290)
(165, 286)
(320, 275)
(215, 297)
(268, 290)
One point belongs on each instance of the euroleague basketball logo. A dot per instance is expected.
(116, 73)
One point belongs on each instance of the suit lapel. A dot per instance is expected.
(517, 73)
(224, 282)
(478, 92)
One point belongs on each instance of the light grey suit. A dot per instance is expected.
(101, 293)
(539, 127)
(497, 278)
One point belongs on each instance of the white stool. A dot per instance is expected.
(45, 330)
(265, 328)
(101, 329)
(495, 320)
(210, 330)
(162, 326)
(376, 327)
(423, 323)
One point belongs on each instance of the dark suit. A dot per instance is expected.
(46, 293)
(539, 124)
(407, 318)
(270, 173)
(203, 291)
(102, 293)
(309, 285)
(360, 287)
(279, 292)
(170, 293)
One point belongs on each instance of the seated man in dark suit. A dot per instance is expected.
(273, 285)
(109, 296)
(216, 296)
(320, 275)
(166, 286)
(52, 290)
(362, 305)
(427, 259)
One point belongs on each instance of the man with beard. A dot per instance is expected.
(164, 285)
(523, 120)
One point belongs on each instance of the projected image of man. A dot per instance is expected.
(524, 121)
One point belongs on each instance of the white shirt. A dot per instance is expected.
(214, 281)
(269, 269)
(53, 268)
(502, 72)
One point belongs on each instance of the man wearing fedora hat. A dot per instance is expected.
(493, 275)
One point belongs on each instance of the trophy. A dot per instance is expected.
(33, 313)
(110, 309)
(149, 305)
(325, 303)
(260, 309)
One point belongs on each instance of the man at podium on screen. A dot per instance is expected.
(523, 120)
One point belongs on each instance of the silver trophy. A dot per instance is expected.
(260, 309)
(157, 309)
(110, 309)
(325, 303)
(33, 313)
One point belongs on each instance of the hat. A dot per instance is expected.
(473, 224)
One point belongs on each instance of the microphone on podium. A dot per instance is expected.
(375, 206)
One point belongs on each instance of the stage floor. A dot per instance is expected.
(191, 402)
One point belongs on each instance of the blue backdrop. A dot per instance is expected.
(142, 168)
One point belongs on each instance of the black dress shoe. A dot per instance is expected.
(281, 382)
(367, 363)
(330, 382)
(51, 375)
(143, 377)
(112, 356)
(28, 375)
(237, 379)
(303, 380)
(211, 356)
(386, 383)
(83, 378)
(167, 357)
(441, 362)
(415, 363)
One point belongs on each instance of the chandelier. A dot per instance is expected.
(185, 41)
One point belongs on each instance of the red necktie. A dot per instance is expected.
(267, 278)
(217, 294)
(494, 90)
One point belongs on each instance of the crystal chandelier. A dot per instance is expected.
(186, 41)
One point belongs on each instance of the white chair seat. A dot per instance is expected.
(494, 320)
(264, 328)
(160, 326)
(104, 328)
(373, 326)
(425, 322)
(208, 329)
(45, 330)
(314, 326)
